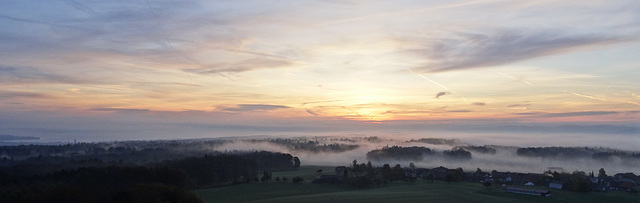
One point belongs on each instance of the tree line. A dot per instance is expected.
(414, 153)
(167, 180)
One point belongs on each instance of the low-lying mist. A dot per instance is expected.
(502, 155)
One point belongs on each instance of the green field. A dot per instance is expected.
(398, 191)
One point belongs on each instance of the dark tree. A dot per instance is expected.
(449, 178)
(579, 182)
(297, 179)
(296, 162)
(398, 173)
(457, 153)
(478, 173)
(345, 175)
(266, 176)
(454, 175)
(602, 174)
(431, 178)
(386, 172)
(458, 174)
(480, 149)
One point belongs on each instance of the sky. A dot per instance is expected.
(118, 70)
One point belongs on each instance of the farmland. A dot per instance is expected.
(398, 191)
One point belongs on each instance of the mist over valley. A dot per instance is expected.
(434, 152)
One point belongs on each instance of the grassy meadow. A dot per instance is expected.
(400, 191)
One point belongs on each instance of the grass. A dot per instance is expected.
(395, 192)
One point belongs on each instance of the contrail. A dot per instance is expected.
(434, 82)
(80, 7)
(588, 97)
(513, 78)
(24, 20)
(444, 87)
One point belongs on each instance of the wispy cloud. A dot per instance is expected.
(317, 102)
(17, 94)
(25, 75)
(121, 110)
(459, 111)
(478, 103)
(474, 50)
(569, 114)
(253, 53)
(518, 105)
(632, 102)
(255, 107)
(312, 113)
(440, 94)
(583, 113)
(240, 66)
(79, 6)
(407, 12)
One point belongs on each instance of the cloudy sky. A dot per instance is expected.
(138, 69)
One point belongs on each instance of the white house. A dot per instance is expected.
(555, 185)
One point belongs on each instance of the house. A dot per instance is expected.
(556, 185)
(623, 184)
(544, 193)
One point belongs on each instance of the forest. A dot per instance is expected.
(148, 172)
(415, 153)
(399, 153)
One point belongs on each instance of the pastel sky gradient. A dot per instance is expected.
(127, 68)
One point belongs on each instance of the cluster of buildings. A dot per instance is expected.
(562, 181)
(514, 182)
